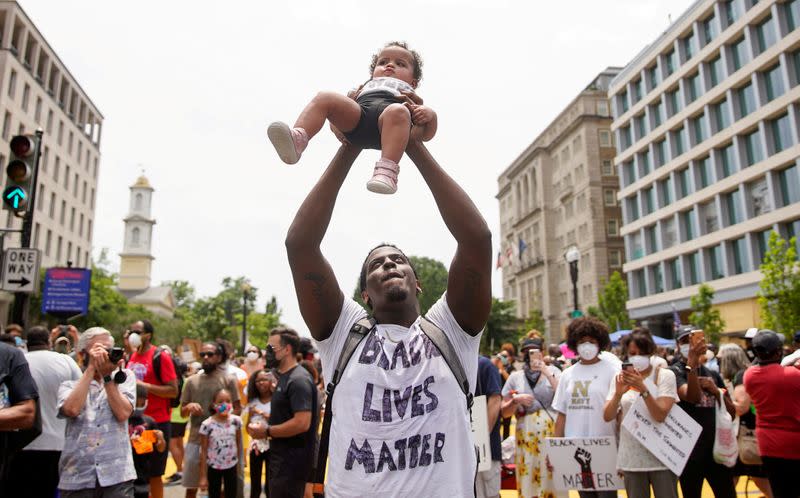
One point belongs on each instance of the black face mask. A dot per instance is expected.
(270, 361)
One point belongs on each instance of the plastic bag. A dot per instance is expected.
(509, 449)
(726, 447)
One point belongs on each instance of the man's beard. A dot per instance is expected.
(396, 294)
(208, 367)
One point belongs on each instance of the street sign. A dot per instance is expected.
(66, 291)
(576, 314)
(20, 270)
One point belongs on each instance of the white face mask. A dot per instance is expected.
(588, 350)
(685, 350)
(135, 340)
(640, 362)
(252, 356)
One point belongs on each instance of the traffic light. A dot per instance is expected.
(19, 173)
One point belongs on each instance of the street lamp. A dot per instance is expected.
(572, 256)
(245, 295)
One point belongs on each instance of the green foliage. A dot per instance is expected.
(536, 321)
(611, 304)
(500, 327)
(432, 276)
(704, 315)
(779, 297)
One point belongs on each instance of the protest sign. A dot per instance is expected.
(670, 441)
(582, 463)
(480, 432)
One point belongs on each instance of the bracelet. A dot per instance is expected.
(268, 432)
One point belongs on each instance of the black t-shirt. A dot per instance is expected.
(704, 413)
(295, 392)
(489, 384)
(16, 385)
(142, 462)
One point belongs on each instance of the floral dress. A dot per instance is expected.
(223, 453)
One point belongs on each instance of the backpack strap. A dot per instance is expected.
(445, 347)
(357, 333)
(157, 364)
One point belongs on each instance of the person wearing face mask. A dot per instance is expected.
(197, 396)
(699, 392)
(657, 386)
(146, 439)
(253, 362)
(583, 387)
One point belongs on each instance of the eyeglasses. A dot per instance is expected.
(206, 354)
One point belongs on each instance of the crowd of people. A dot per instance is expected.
(756, 382)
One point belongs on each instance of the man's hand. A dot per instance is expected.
(409, 98)
(695, 352)
(194, 409)
(257, 430)
(421, 114)
(707, 385)
(339, 135)
(99, 358)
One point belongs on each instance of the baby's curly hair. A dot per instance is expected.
(403, 45)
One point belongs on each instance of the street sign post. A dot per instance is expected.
(66, 291)
(20, 270)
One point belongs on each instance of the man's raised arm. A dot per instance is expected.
(469, 286)
(318, 292)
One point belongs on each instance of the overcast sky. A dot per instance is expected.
(188, 88)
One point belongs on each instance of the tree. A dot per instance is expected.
(611, 304)
(432, 276)
(500, 326)
(535, 321)
(704, 315)
(262, 323)
(779, 297)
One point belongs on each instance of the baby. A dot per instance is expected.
(380, 117)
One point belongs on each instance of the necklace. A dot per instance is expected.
(391, 339)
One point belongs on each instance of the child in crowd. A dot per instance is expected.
(377, 115)
(145, 439)
(259, 389)
(220, 444)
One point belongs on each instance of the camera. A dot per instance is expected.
(115, 354)
(63, 331)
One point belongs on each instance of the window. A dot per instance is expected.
(732, 204)
(625, 134)
(678, 141)
(792, 14)
(695, 90)
(628, 172)
(700, 129)
(12, 84)
(781, 131)
(722, 115)
(739, 256)
(733, 10)
(688, 46)
(63, 212)
(658, 279)
(622, 99)
(728, 159)
(48, 242)
(637, 90)
(661, 152)
(694, 273)
(609, 197)
(758, 194)
(607, 168)
(666, 191)
(671, 61)
(715, 262)
(6, 125)
(669, 235)
(708, 216)
(605, 138)
(657, 110)
(58, 248)
(716, 71)
(602, 108)
(649, 204)
(52, 211)
(654, 77)
(633, 208)
(640, 283)
(652, 239)
(689, 229)
(675, 273)
(766, 34)
(614, 258)
(685, 182)
(762, 240)
(72, 219)
(674, 102)
(789, 181)
(709, 29)
(66, 179)
(773, 81)
(644, 163)
(740, 54)
(135, 236)
(747, 100)
(26, 96)
(641, 125)
(753, 148)
(638, 248)
(37, 110)
(40, 199)
(612, 228)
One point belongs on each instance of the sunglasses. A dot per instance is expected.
(206, 354)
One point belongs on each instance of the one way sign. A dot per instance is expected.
(20, 270)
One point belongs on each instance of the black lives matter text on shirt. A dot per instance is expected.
(385, 405)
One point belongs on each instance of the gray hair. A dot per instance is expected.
(732, 360)
(90, 334)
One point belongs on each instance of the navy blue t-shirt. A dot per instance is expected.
(489, 385)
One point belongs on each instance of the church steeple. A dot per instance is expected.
(136, 256)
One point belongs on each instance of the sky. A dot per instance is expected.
(188, 88)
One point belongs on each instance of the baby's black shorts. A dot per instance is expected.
(366, 134)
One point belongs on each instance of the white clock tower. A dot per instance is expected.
(136, 256)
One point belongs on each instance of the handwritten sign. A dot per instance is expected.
(582, 463)
(670, 441)
(480, 432)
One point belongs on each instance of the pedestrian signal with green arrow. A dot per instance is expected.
(19, 173)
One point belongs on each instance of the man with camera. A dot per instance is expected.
(35, 469)
(97, 460)
(161, 383)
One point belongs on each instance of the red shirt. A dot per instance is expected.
(775, 391)
(142, 366)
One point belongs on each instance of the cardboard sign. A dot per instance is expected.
(670, 441)
(582, 463)
(480, 432)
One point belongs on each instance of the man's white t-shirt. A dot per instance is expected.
(400, 422)
(581, 396)
(49, 369)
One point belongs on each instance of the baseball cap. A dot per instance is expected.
(766, 343)
(751, 332)
(531, 343)
(684, 331)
